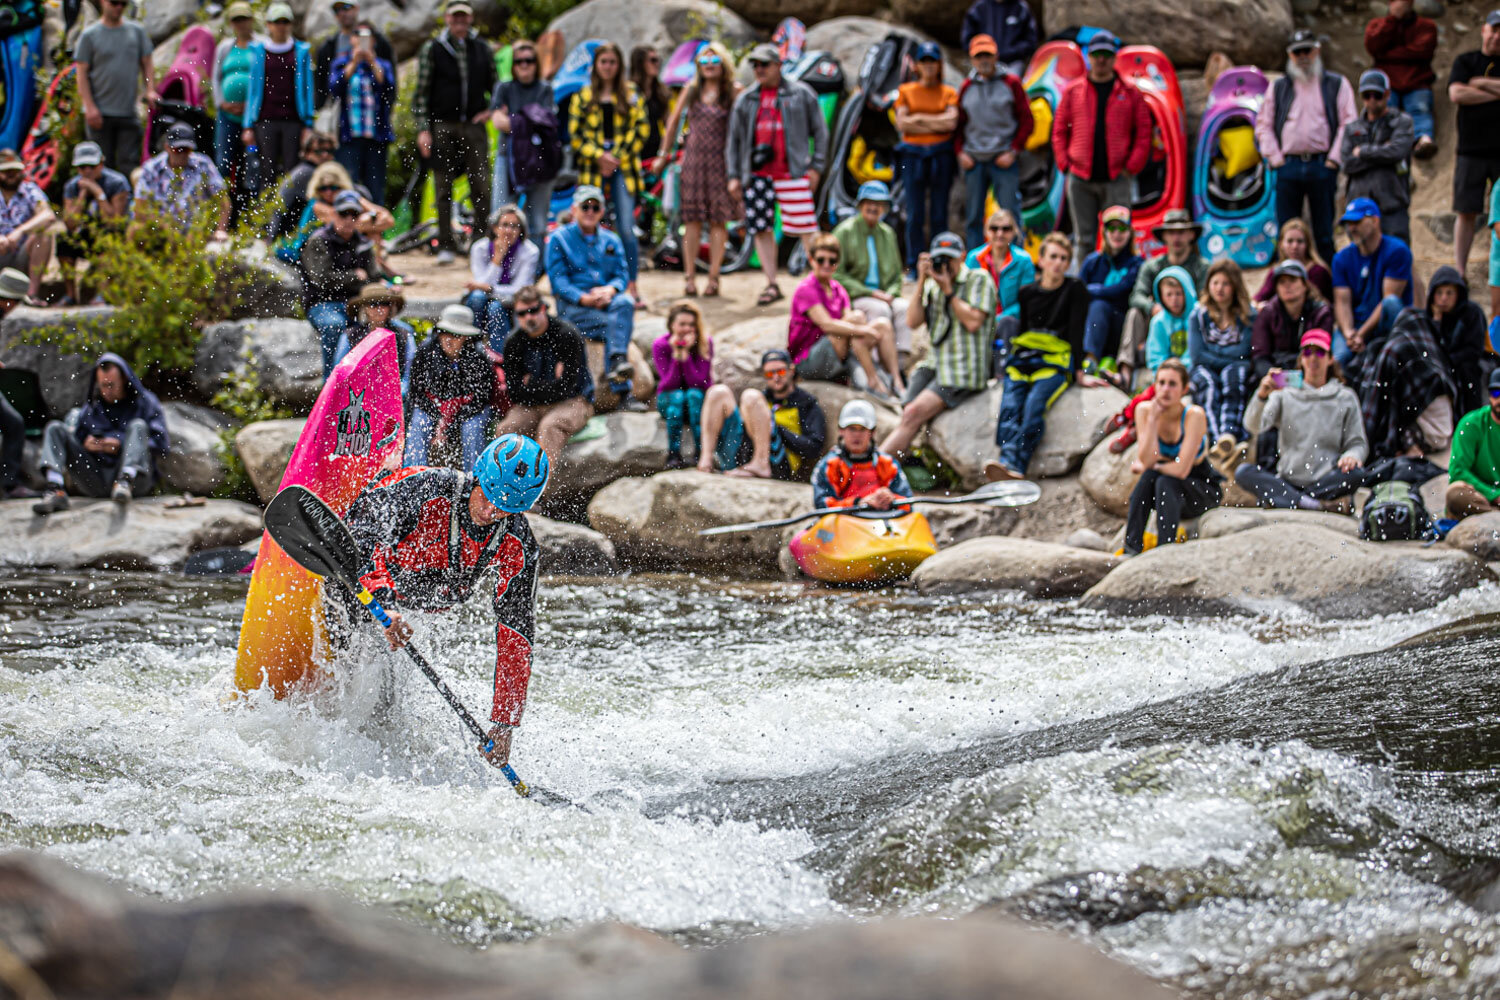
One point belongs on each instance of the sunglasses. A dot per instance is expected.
(591, 206)
(709, 60)
(1314, 352)
(758, 64)
(1373, 95)
(1116, 227)
(523, 61)
(349, 213)
(999, 229)
(529, 312)
(773, 372)
(509, 225)
(825, 258)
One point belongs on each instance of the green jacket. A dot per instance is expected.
(854, 259)
(1476, 453)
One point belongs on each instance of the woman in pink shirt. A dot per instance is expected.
(684, 357)
(824, 330)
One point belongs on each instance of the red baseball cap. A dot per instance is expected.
(1317, 338)
(983, 43)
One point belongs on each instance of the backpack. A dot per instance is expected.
(1394, 514)
(536, 152)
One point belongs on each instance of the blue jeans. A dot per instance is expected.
(1390, 308)
(1418, 104)
(365, 159)
(984, 178)
(329, 319)
(613, 325)
(927, 177)
(624, 207)
(677, 406)
(1102, 329)
(491, 316)
(474, 434)
(1023, 417)
(1297, 180)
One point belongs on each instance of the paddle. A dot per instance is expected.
(1015, 493)
(320, 542)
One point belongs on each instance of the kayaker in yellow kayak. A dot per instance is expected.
(854, 472)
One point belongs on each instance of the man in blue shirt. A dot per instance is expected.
(587, 269)
(1371, 283)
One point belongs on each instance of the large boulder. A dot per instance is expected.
(768, 13)
(148, 534)
(1223, 521)
(965, 437)
(194, 462)
(573, 549)
(633, 444)
(1039, 569)
(1249, 32)
(164, 18)
(64, 377)
(1312, 567)
(848, 38)
(832, 396)
(407, 23)
(642, 383)
(1063, 509)
(661, 24)
(1478, 535)
(959, 522)
(266, 448)
(738, 348)
(1106, 476)
(284, 354)
(654, 522)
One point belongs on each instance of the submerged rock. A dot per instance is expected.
(1315, 568)
(148, 534)
(1104, 898)
(1040, 569)
(572, 548)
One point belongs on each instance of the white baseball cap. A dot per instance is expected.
(857, 413)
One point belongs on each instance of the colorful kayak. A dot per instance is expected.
(843, 548)
(1234, 190)
(20, 62)
(1043, 187)
(355, 431)
(1162, 185)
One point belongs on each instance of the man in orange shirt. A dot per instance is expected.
(926, 117)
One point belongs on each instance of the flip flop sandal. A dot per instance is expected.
(689, 290)
(768, 295)
(711, 290)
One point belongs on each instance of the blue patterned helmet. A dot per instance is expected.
(512, 472)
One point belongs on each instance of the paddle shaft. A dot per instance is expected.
(981, 495)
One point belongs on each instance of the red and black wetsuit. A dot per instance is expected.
(425, 552)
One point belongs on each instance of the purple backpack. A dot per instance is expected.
(536, 152)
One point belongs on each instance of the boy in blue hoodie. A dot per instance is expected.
(1167, 337)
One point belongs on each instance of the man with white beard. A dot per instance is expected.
(1300, 132)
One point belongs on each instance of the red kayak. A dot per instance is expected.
(1163, 184)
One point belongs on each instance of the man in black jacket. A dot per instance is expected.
(346, 13)
(455, 76)
(337, 260)
(1377, 154)
(546, 377)
(773, 434)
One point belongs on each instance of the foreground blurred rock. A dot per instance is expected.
(148, 534)
(74, 936)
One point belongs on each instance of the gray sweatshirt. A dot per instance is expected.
(1317, 428)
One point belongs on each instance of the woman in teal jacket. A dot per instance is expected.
(279, 101)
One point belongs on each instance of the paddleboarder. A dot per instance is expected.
(428, 534)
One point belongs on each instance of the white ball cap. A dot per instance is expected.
(857, 413)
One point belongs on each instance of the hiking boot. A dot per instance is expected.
(1341, 505)
(120, 492)
(1124, 441)
(633, 405)
(21, 491)
(620, 369)
(51, 503)
(1425, 148)
(997, 472)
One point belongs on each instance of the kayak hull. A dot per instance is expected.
(1238, 213)
(1149, 70)
(840, 548)
(1043, 187)
(355, 431)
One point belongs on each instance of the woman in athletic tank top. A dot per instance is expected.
(1176, 480)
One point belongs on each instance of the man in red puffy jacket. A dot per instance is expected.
(1099, 161)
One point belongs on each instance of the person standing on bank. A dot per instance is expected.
(1474, 87)
(231, 83)
(926, 115)
(114, 56)
(1402, 45)
(1376, 150)
(607, 128)
(524, 88)
(455, 77)
(366, 84)
(279, 99)
(346, 13)
(994, 122)
(1101, 138)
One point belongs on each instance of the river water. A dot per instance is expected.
(1252, 807)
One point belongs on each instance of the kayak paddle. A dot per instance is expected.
(1014, 493)
(320, 542)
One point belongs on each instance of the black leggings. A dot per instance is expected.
(1273, 491)
(1173, 500)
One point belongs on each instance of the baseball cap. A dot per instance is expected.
(1360, 208)
(180, 136)
(278, 12)
(1289, 267)
(1495, 379)
(776, 354)
(238, 9)
(929, 50)
(1302, 40)
(459, 7)
(1103, 41)
(765, 52)
(1493, 19)
(947, 245)
(1317, 338)
(347, 201)
(1115, 213)
(10, 161)
(873, 191)
(87, 154)
(1373, 80)
(584, 192)
(857, 413)
(983, 43)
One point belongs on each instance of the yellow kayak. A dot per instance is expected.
(841, 548)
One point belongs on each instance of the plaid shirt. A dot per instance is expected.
(424, 74)
(960, 358)
(586, 133)
(17, 211)
(359, 105)
(178, 193)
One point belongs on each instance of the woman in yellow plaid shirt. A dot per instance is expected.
(608, 128)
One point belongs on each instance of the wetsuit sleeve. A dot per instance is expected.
(379, 518)
(515, 625)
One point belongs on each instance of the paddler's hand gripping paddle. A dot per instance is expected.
(319, 541)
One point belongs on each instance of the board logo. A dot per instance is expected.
(353, 427)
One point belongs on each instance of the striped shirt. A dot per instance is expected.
(961, 359)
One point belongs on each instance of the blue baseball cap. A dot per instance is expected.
(1103, 41)
(347, 201)
(873, 191)
(1361, 208)
(1373, 81)
(929, 50)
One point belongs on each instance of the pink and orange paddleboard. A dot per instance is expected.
(355, 432)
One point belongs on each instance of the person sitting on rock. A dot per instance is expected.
(26, 222)
(684, 357)
(1219, 332)
(1109, 275)
(499, 267)
(451, 386)
(957, 306)
(589, 274)
(1041, 358)
(1280, 325)
(1175, 294)
(1180, 234)
(546, 376)
(1474, 465)
(337, 261)
(827, 337)
(375, 308)
(1172, 460)
(870, 263)
(1321, 443)
(1460, 329)
(772, 434)
(110, 445)
(853, 472)
(96, 200)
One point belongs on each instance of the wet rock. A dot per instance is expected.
(633, 444)
(654, 522)
(1315, 568)
(1105, 899)
(64, 377)
(1250, 32)
(1064, 508)
(572, 548)
(1039, 569)
(965, 437)
(147, 534)
(954, 523)
(1087, 538)
(194, 463)
(266, 448)
(1478, 535)
(1478, 885)
(661, 24)
(1223, 521)
(283, 352)
(1106, 476)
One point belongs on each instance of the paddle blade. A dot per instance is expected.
(313, 535)
(1014, 493)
